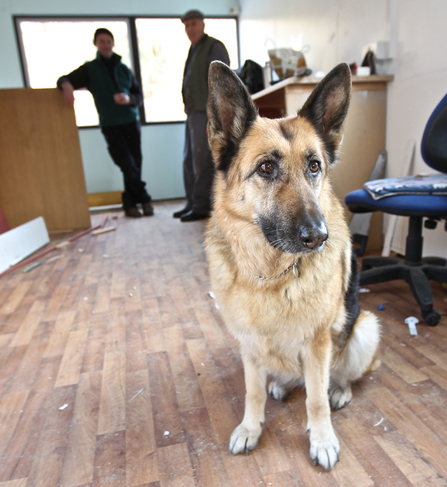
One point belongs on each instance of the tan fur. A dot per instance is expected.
(289, 328)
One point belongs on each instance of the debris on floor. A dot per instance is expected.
(51, 259)
(103, 230)
(31, 267)
(411, 322)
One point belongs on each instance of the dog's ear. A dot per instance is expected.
(327, 107)
(230, 113)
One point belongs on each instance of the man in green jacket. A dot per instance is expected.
(198, 167)
(117, 96)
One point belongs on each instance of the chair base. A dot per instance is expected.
(418, 276)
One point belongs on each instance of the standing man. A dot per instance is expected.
(117, 95)
(198, 167)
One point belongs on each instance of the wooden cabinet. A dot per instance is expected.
(364, 136)
(41, 172)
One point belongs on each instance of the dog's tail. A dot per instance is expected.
(360, 355)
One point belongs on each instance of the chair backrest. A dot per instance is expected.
(434, 140)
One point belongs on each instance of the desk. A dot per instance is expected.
(364, 136)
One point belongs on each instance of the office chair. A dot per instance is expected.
(418, 198)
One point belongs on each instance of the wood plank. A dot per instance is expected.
(428, 444)
(29, 325)
(71, 365)
(189, 395)
(47, 176)
(136, 352)
(437, 374)
(402, 367)
(204, 449)
(112, 409)
(437, 356)
(21, 451)
(221, 412)
(116, 327)
(168, 428)
(56, 301)
(153, 329)
(102, 298)
(16, 294)
(32, 358)
(59, 335)
(14, 483)
(294, 440)
(141, 451)
(283, 479)
(95, 347)
(10, 360)
(118, 280)
(79, 466)
(349, 471)
(46, 469)
(369, 454)
(175, 466)
(407, 458)
(211, 330)
(110, 459)
(10, 410)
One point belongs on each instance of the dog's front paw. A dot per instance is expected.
(244, 439)
(340, 397)
(325, 450)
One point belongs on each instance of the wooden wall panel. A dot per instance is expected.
(41, 172)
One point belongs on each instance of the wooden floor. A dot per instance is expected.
(116, 369)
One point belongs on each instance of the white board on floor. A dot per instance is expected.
(22, 241)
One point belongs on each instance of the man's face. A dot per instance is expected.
(194, 29)
(104, 44)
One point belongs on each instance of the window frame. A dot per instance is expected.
(133, 45)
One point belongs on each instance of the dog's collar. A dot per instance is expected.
(293, 266)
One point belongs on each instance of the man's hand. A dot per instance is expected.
(122, 99)
(67, 92)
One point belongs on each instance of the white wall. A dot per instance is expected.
(420, 83)
(337, 31)
(162, 144)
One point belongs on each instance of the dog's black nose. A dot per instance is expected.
(313, 237)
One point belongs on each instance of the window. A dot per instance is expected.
(163, 47)
(51, 47)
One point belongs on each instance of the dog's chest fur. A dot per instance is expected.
(274, 318)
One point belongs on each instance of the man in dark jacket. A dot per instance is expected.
(198, 167)
(117, 96)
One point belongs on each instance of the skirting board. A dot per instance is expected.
(22, 241)
(104, 199)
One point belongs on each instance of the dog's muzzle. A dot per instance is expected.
(313, 237)
(309, 235)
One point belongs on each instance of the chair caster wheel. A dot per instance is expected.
(432, 318)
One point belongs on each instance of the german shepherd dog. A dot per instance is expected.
(280, 256)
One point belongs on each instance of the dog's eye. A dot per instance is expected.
(314, 166)
(266, 168)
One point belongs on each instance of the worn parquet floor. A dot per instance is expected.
(116, 370)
